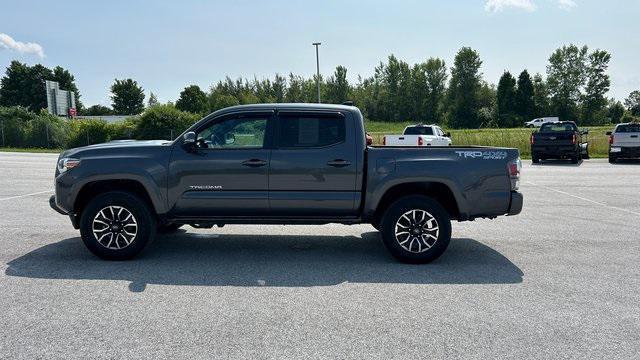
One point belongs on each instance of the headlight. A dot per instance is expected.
(65, 164)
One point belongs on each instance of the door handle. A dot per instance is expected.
(339, 163)
(254, 163)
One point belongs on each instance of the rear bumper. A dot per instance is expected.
(516, 203)
(625, 152)
(554, 150)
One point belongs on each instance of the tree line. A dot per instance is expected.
(574, 87)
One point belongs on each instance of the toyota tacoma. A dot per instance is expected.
(281, 164)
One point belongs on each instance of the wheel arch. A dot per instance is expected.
(92, 189)
(438, 191)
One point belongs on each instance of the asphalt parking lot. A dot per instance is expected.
(561, 280)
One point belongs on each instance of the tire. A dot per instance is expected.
(105, 209)
(576, 158)
(412, 250)
(535, 159)
(169, 228)
(612, 159)
(376, 224)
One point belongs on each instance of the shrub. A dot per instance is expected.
(46, 131)
(13, 124)
(162, 122)
(86, 132)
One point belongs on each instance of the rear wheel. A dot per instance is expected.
(416, 229)
(612, 159)
(535, 159)
(117, 225)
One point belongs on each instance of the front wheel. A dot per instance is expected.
(117, 225)
(416, 229)
(612, 159)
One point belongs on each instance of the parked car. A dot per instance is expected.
(624, 142)
(559, 140)
(540, 121)
(419, 135)
(281, 164)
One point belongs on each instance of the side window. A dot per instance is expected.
(439, 132)
(296, 131)
(234, 133)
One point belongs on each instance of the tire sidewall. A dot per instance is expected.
(401, 206)
(146, 224)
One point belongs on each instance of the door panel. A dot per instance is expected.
(227, 175)
(313, 166)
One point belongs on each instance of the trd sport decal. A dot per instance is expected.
(485, 155)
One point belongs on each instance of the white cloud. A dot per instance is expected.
(528, 5)
(499, 5)
(567, 4)
(7, 42)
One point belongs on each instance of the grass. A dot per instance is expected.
(514, 138)
(31, 150)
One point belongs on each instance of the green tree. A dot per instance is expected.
(436, 76)
(525, 104)
(463, 89)
(337, 88)
(506, 100)
(566, 74)
(193, 100)
(598, 83)
(295, 92)
(153, 100)
(127, 97)
(23, 85)
(633, 103)
(97, 110)
(541, 106)
(615, 111)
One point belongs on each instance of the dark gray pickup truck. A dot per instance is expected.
(281, 164)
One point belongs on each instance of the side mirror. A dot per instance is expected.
(189, 140)
(609, 133)
(448, 134)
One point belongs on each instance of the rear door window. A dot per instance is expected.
(300, 131)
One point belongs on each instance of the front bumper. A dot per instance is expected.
(54, 206)
(516, 203)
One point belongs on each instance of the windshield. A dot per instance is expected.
(560, 127)
(418, 130)
(628, 128)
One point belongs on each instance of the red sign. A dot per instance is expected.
(72, 112)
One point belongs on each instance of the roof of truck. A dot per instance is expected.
(288, 106)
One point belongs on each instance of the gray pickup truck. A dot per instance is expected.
(281, 164)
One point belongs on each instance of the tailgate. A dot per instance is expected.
(552, 139)
(626, 139)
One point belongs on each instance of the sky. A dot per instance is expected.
(167, 45)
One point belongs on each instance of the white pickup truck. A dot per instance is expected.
(419, 135)
(536, 123)
(624, 142)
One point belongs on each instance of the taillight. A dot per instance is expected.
(384, 140)
(532, 140)
(573, 140)
(611, 139)
(515, 167)
(420, 141)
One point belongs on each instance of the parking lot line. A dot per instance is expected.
(25, 195)
(584, 199)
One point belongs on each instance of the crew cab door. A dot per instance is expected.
(226, 174)
(313, 165)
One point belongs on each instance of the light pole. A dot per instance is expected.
(316, 44)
